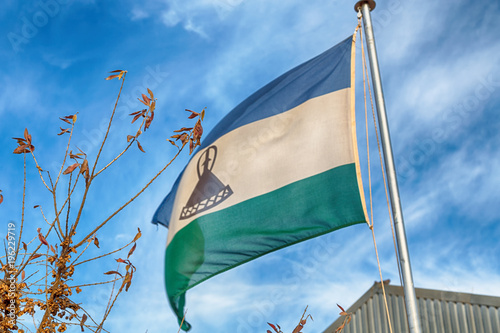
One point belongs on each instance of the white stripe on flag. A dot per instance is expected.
(268, 154)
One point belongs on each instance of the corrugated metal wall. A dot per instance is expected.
(444, 316)
(437, 315)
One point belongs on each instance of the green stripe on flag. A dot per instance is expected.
(217, 242)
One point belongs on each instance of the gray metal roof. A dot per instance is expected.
(440, 312)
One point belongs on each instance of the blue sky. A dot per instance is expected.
(441, 75)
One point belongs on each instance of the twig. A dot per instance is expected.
(132, 199)
(115, 159)
(96, 283)
(182, 321)
(87, 185)
(101, 256)
(109, 126)
(22, 210)
(64, 159)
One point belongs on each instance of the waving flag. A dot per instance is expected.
(280, 168)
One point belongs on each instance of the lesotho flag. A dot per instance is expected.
(280, 168)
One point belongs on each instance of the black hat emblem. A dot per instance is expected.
(209, 191)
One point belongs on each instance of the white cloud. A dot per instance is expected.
(404, 26)
(197, 16)
(170, 18)
(138, 14)
(18, 94)
(190, 26)
(58, 61)
(440, 85)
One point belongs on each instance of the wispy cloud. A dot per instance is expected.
(17, 94)
(197, 16)
(58, 61)
(138, 13)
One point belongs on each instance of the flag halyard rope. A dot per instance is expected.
(365, 68)
(366, 83)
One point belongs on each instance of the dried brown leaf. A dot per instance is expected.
(172, 142)
(136, 117)
(34, 256)
(71, 168)
(74, 156)
(96, 242)
(130, 137)
(147, 123)
(113, 272)
(128, 280)
(131, 250)
(149, 120)
(140, 147)
(138, 235)
(121, 260)
(81, 151)
(23, 275)
(84, 169)
(341, 308)
(125, 281)
(183, 129)
(82, 323)
(184, 137)
(198, 130)
(151, 94)
(43, 240)
(52, 249)
(25, 247)
(193, 114)
(117, 71)
(273, 327)
(65, 120)
(143, 102)
(111, 77)
(1, 198)
(64, 130)
(21, 149)
(146, 99)
(27, 137)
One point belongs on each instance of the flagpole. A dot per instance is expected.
(404, 258)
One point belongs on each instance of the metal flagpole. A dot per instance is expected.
(404, 258)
